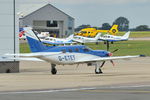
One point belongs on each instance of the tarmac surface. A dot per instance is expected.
(99, 93)
(78, 82)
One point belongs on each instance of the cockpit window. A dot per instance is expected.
(63, 51)
(46, 38)
(83, 31)
(86, 49)
(70, 50)
(77, 50)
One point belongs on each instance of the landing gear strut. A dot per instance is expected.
(98, 71)
(53, 69)
(98, 68)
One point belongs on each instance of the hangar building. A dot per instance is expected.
(9, 42)
(49, 19)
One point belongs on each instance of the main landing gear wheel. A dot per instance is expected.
(98, 71)
(53, 69)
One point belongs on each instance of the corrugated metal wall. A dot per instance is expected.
(9, 42)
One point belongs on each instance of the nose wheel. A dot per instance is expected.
(53, 69)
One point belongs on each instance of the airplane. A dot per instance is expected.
(82, 39)
(21, 34)
(66, 55)
(112, 38)
(43, 35)
(56, 41)
(51, 40)
(92, 32)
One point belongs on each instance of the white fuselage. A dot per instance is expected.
(82, 39)
(55, 40)
(68, 58)
(110, 37)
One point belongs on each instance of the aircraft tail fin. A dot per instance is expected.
(114, 30)
(30, 33)
(34, 43)
(97, 36)
(126, 35)
(70, 37)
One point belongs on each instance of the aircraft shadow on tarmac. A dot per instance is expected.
(114, 74)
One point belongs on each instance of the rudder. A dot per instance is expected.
(35, 45)
(114, 30)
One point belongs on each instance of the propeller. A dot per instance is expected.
(103, 64)
(112, 62)
(114, 50)
(111, 55)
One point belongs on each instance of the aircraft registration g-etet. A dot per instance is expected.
(65, 55)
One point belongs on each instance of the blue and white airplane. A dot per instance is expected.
(66, 55)
(81, 39)
(112, 38)
(51, 40)
(57, 41)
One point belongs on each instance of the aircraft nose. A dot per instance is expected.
(110, 54)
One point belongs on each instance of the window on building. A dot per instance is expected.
(52, 23)
(70, 28)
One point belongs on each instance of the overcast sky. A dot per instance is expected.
(97, 12)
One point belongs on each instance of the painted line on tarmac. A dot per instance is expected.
(125, 86)
(73, 89)
(117, 91)
(48, 91)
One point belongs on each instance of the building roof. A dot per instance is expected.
(25, 14)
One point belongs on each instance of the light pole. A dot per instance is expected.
(14, 13)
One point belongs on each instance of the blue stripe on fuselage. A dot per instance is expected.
(36, 46)
(78, 49)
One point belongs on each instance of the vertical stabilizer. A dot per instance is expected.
(30, 33)
(114, 30)
(35, 45)
(126, 35)
(97, 36)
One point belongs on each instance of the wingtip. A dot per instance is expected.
(142, 55)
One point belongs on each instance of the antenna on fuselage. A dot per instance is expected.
(36, 35)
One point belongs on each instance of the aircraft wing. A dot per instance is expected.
(99, 59)
(79, 41)
(18, 59)
(27, 56)
(39, 54)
